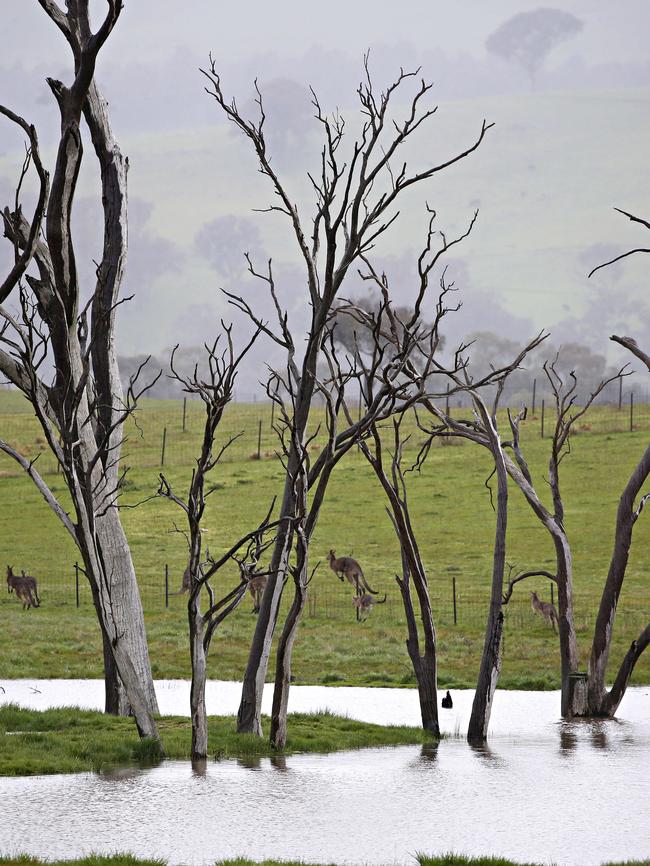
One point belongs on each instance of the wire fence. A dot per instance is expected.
(168, 433)
(452, 605)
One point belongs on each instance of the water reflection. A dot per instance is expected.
(199, 767)
(279, 762)
(487, 756)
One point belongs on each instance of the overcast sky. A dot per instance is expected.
(546, 180)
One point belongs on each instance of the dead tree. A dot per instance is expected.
(355, 198)
(581, 694)
(215, 389)
(312, 479)
(482, 428)
(602, 702)
(83, 410)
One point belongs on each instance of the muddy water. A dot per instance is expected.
(546, 791)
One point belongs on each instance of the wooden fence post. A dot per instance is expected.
(164, 442)
(76, 581)
(453, 588)
(166, 585)
(542, 430)
(184, 411)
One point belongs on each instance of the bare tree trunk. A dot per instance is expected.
(197, 688)
(249, 716)
(573, 697)
(278, 735)
(600, 703)
(491, 659)
(425, 667)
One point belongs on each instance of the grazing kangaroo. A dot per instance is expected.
(546, 609)
(364, 604)
(256, 587)
(25, 588)
(346, 567)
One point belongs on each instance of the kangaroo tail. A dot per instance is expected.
(367, 587)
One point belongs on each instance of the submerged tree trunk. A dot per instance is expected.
(600, 701)
(490, 667)
(278, 735)
(425, 666)
(199, 673)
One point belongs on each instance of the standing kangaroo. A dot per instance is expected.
(346, 567)
(25, 588)
(546, 609)
(185, 585)
(364, 604)
(256, 587)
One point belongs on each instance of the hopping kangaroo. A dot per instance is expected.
(546, 609)
(25, 587)
(364, 604)
(346, 567)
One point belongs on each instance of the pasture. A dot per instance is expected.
(455, 525)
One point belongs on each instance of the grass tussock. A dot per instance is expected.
(421, 859)
(68, 740)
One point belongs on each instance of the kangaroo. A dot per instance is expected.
(185, 585)
(346, 567)
(25, 586)
(256, 586)
(364, 604)
(546, 609)
(447, 702)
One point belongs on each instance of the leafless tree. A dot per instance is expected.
(215, 389)
(582, 694)
(355, 198)
(482, 428)
(82, 411)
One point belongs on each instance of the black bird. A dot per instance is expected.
(447, 702)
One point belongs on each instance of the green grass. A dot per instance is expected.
(455, 526)
(422, 859)
(69, 740)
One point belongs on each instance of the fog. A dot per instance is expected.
(566, 148)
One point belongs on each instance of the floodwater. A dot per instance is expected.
(544, 790)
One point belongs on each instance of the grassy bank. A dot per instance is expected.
(71, 740)
(455, 525)
(421, 859)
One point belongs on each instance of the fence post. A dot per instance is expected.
(164, 442)
(453, 589)
(259, 441)
(552, 594)
(534, 393)
(76, 581)
(631, 411)
(166, 585)
(620, 394)
(184, 411)
(542, 430)
(447, 402)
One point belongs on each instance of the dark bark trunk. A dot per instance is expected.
(425, 667)
(490, 667)
(599, 701)
(197, 688)
(278, 735)
(249, 716)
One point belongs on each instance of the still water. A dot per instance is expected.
(544, 790)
